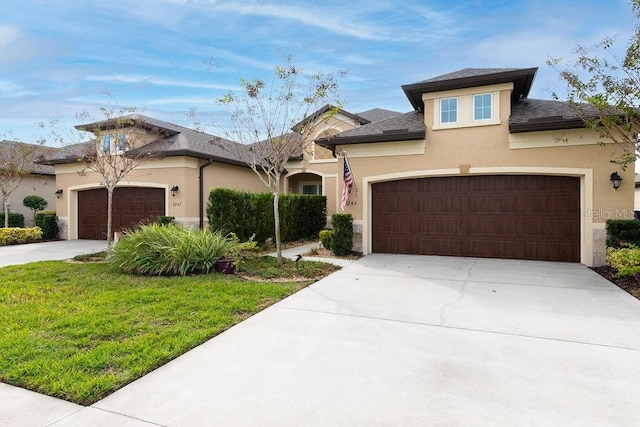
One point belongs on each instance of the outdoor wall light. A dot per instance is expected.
(174, 190)
(58, 193)
(615, 180)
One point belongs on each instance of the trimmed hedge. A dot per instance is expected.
(15, 220)
(48, 222)
(621, 231)
(342, 242)
(248, 214)
(16, 235)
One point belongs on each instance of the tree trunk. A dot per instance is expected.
(6, 212)
(276, 218)
(109, 216)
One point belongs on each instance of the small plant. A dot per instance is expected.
(313, 251)
(326, 236)
(625, 260)
(35, 203)
(168, 250)
(165, 220)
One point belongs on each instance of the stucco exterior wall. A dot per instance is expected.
(158, 173)
(33, 185)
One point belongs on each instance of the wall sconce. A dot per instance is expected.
(174, 190)
(58, 193)
(615, 180)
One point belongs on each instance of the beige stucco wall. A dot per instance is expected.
(159, 173)
(490, 149)
(33, 185)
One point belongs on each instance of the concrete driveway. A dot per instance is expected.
(48, 251)
(408, 341)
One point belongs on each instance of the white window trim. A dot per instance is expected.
(457, 110)
(473, 106)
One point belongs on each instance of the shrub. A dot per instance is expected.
(165, 220)
(342, 234)
(35, 203)
(621, 231)
(251, 214)
(16, 220)
(48, 222)
(625, 260)
(15, 235)
(326, 236)
(171, 250)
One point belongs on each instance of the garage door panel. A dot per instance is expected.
(515, 216)
(131, 205)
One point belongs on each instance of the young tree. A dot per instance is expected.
(273, 122)
(113, 153)
(35, 203)
(16, 162)
(604, 90)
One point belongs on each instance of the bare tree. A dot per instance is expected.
(604, 90)
(113, 152)
(16, 162)
(273, 122)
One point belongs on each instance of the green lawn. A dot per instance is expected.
(81, 331)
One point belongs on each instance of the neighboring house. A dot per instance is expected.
(479, 170)
(176, 182)
(40, 182)
(189, 161)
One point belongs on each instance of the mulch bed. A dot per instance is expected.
(627, 283)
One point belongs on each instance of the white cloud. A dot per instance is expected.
(11, 89)
(156, 81)
(9, 34)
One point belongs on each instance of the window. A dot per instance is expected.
(449, 110)
(121, 142)
(106, 144)
(311, 188)
(482, 107)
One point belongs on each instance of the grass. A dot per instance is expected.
(81, 331)
(265, 268)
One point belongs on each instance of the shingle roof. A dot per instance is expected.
(540, 114)
(173, 140)
(39, 152)
(522, 79)
(377, 114)
(405, 126)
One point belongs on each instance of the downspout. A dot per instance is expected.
(201, 176)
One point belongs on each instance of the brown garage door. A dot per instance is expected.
(506, 216)
(130, 206)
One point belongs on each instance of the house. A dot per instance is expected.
(175, 180)
(477, 169)
(182, 168)
(40, 182)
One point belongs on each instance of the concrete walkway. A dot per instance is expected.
(407, 341)
(48, 251)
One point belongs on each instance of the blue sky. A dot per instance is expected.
(60, 58)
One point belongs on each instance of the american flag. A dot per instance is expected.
(348, 183)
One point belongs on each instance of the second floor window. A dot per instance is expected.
(114, 145)
(449, 110)
(482, 107)
(106, 144)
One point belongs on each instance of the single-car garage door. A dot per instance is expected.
(506, 216)
(130, 206)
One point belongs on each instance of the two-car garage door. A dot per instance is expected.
(131, 205)
(505, 216)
